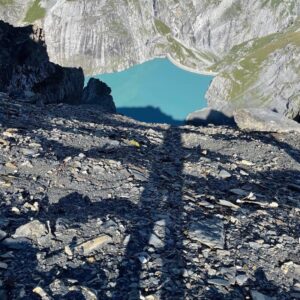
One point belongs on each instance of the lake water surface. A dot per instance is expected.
(157, 91)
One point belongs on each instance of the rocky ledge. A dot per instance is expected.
(29, 75)
(99, 206)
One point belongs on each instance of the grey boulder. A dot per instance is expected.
(98, 93)
(254, 119)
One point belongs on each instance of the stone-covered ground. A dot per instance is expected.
(97, 206)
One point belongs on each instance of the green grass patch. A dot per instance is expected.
(6, 2)
(245, 62)
(35, 12)
(161, 27)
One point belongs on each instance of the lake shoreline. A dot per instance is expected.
(188, 69)
(158, 90)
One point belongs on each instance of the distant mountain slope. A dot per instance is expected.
(261, 72)
(109, 35)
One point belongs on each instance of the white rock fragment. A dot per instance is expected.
(32, 230)
(39, 291)
(93, 245)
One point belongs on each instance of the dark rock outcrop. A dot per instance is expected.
(26, 71)
(206, 116)
(98, 93)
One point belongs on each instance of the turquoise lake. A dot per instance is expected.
(157, 91)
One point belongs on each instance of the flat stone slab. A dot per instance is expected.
(209, 232)
(254, 119)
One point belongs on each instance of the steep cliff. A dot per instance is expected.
(27, 72)
(262, 72)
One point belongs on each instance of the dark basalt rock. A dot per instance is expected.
(98, 93)
(26, 71)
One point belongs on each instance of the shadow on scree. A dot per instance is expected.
(201, 117)
(149, 114)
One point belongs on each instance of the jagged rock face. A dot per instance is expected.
(108, 35)
(27, 72)
(261, 73)
(14, 11)
(98, 93)
(100, 35)
(220, 24)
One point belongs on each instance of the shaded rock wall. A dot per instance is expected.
(26, 70)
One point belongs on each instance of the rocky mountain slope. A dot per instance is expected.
(97, 206)
(100, 206)
(236, 39)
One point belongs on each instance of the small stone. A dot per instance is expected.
(134, 143)
(27, 164)
(32, 230)
(3, 142)
(3, 265)
(296, 287)
(218, 281)
(88, 293)
(259, 296)
(15, 210)
(209, 232)
(28, 152)
(155, 241)
(34, 207)
(5, 183)
(10, 132)
(241, 279)
(273, 204)
(39, 291)
(143, 258)
(229, 204)
(224, 174)
(223, 253)
(68, 251)
(91, 260)
(81, 155)
(11, 165)
(239, 192)
(243, 173)
(67, 159)
(93, 245)
(150, 297)
(246, 163)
